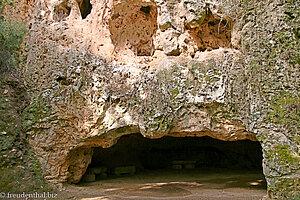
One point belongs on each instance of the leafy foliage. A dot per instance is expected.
(11, 36)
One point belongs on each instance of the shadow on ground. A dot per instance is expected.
(172, 184)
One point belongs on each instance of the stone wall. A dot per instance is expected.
(228, 70)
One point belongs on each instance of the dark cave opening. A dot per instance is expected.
(134, 154)
(85, 7)
(145, 9)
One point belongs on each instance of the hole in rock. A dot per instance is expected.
(63, 81)
(61, 11)
(210, 32)
(85, 7)
(145, 9)
(135, 155)
(132, 26)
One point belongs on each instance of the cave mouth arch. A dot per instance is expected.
(134, 154)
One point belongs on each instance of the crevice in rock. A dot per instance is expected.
(210, 32)
(132, 27)
(85, 7)
(61, 11)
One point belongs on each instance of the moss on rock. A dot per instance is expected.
(284, 188)
(35, 112)
(283, 155)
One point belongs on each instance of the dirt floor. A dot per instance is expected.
(172, 184)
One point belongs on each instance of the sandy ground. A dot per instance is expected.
(170, 184)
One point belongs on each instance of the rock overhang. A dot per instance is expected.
(96, 105)
(94, 96)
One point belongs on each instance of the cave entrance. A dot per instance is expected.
(134, 154)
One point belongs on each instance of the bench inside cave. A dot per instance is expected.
(135, 154)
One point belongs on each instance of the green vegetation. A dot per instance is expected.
(285, 109)
(11, 36)
(35, 112)
(283, 155)
(175, 92)
(284, 106)
(20, 171)
(285, 188)
(162, 124)
(270, 40)
(18, 179)
(273, 70)
(9, 124)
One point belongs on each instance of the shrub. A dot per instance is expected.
(11, 36)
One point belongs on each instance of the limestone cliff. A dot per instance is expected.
(97, 70)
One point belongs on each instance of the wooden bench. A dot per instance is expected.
(124, 170)
(186, 164)
(91, 174)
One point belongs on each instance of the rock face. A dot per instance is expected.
(97, 70)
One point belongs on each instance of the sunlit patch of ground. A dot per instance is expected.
(170, 184)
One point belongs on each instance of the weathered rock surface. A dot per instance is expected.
(102, 69)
